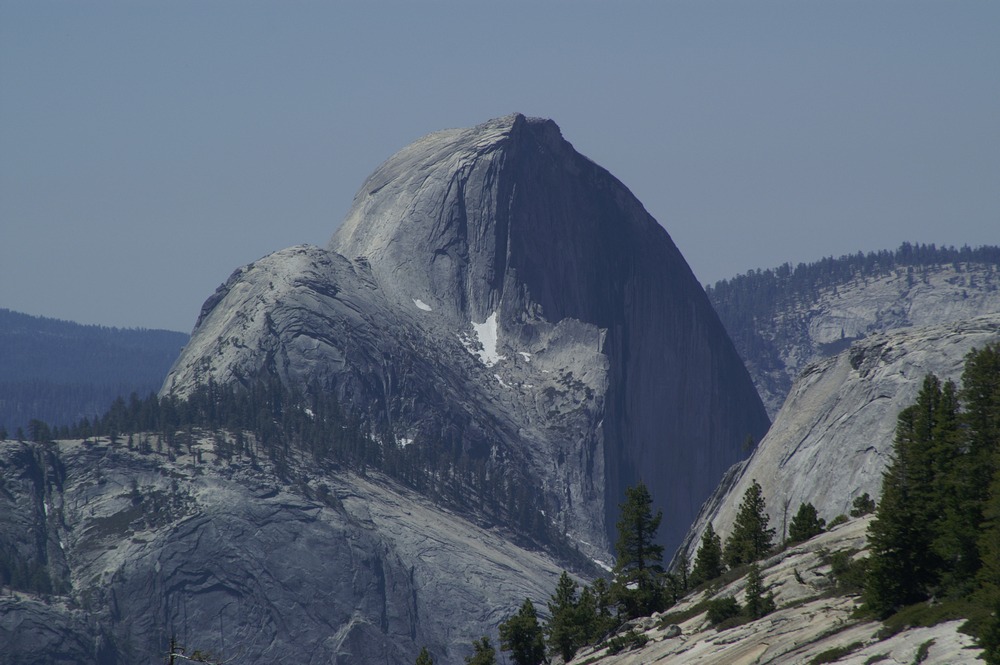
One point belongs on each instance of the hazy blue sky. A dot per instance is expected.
(148, 149)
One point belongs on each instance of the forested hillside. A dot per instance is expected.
(785, 318)
(60, 372)
(935, 542)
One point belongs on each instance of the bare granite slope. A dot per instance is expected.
(832, 439)
(232, 560)
(811, 621)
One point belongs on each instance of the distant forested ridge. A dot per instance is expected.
(783, 318)
(60, 372)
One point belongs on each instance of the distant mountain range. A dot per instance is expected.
(61, 372)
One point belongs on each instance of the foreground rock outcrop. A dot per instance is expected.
(494, 293)
(232, 560)
(813, 623)
(833, 438)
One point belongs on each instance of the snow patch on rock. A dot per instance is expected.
(486, 333)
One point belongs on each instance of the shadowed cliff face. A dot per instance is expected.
(493, 285)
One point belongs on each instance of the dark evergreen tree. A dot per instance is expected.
(862, 505)
(483, 652)
(751, 538)
(987, 595)
(980, 389)
(38, 431)
(756, 603)
(424, 657)
(683, 571)
(639, 559)
(969, 464)
(708, 560)
(720, 609)
(566, 629)
(596, 611)
(806, 524)
(902, 565)
(521, 635)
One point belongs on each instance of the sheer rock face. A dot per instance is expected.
(493, 287)
(832, 440)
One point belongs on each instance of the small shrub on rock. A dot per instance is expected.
(723, 608)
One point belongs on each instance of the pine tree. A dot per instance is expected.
(566, 629)
(424, 657)
(756, 604)
(751, 538)
(987, 596)
(970, 465)
(639, 561)
(39, 431)
(590, 621)
(522, 636)
(595, 611)
(708, 561)
(954, 499)
(980, 386)
(862, 505)
(483, 652)
(683, 577)
(902, 564)
(806, 524)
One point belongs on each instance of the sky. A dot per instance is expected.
(148, 149)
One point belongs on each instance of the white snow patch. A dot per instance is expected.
(603, 565)
(422, 305)
(486, 333)
(526, 356)
(497, 377)
(309, 412)
(404, 442)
